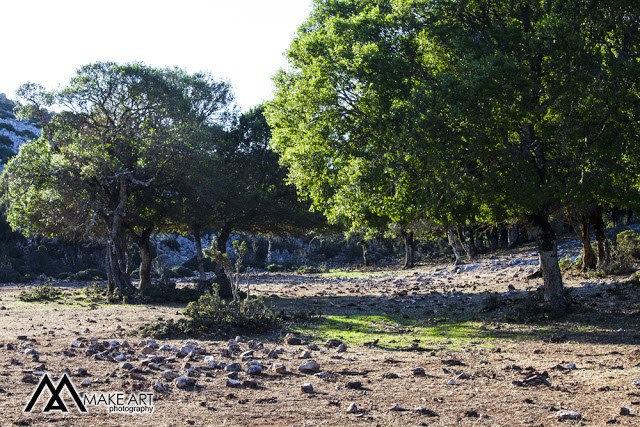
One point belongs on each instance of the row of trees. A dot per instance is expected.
(133, 151)
(452, 112)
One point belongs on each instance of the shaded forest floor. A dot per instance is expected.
(429, 346)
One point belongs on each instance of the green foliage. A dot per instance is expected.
(166, 291)
(182, 271)
(310, 269)
(192, 264)
(9, 275)
(94, 292)
(275, 268)
(212, 314)
(628, 244)
(163, 329)
(88, 275)
(46, 292)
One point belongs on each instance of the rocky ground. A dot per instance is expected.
(478, 369)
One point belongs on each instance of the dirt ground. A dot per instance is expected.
(501, 374)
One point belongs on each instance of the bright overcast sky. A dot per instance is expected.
(242, 41)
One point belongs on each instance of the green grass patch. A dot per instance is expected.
(396, 332)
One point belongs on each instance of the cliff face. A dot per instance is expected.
(13, 133)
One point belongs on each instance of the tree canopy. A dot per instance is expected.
(122, 129)
(455, 110)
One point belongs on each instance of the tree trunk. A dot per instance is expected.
(463, 242)
(225, 290)
(110, 283)
(365, 254)
(199, 257)
(269, 257)
(408, 249)
(589, 260)
(117, 247)
(494, 238)
(145, 264)
(504, 236)
(144, 248)
(453, 245)
(541, 231)
(513, 236)
(601, 238)
(117, 258)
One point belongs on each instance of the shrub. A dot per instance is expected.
(212, 314)
(9, 275)
(628, 244)
(310, 269)
(182, 271)
(192, 264)
(94, 292)
(44, 292)
(88, 275)
(166, 291)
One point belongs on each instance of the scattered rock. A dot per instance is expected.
(390, 375)
(352, 409)
(569, 415)
(250, 383)
(311, 367)
(185, 382)
(292, 340)
(341, 348)
(418, 371)
(279, 368)
(355, 385)
(333, 343)
(162, 388)
(625, 411)
(169, 375)
(233, 383)
(304, 355)
(424, 411)
(396, 407)
(307, 388)
(85, 383)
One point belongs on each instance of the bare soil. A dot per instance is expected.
(503, 374)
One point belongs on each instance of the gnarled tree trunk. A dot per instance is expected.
(453, 245)
(199, 257)
(601, 240)
(540, 229)
(221, 275)
(408, 249)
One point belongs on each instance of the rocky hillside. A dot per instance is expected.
(13, 133)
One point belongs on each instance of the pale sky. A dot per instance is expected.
(242, 41)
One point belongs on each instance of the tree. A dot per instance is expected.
(121, 129)
(457, 110)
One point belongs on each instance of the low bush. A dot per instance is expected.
(628, 244)
(181, 271)
(213, 315)
(310, 269)
(166, 291)
(88, 275)
(44, 292)
(9, 275)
